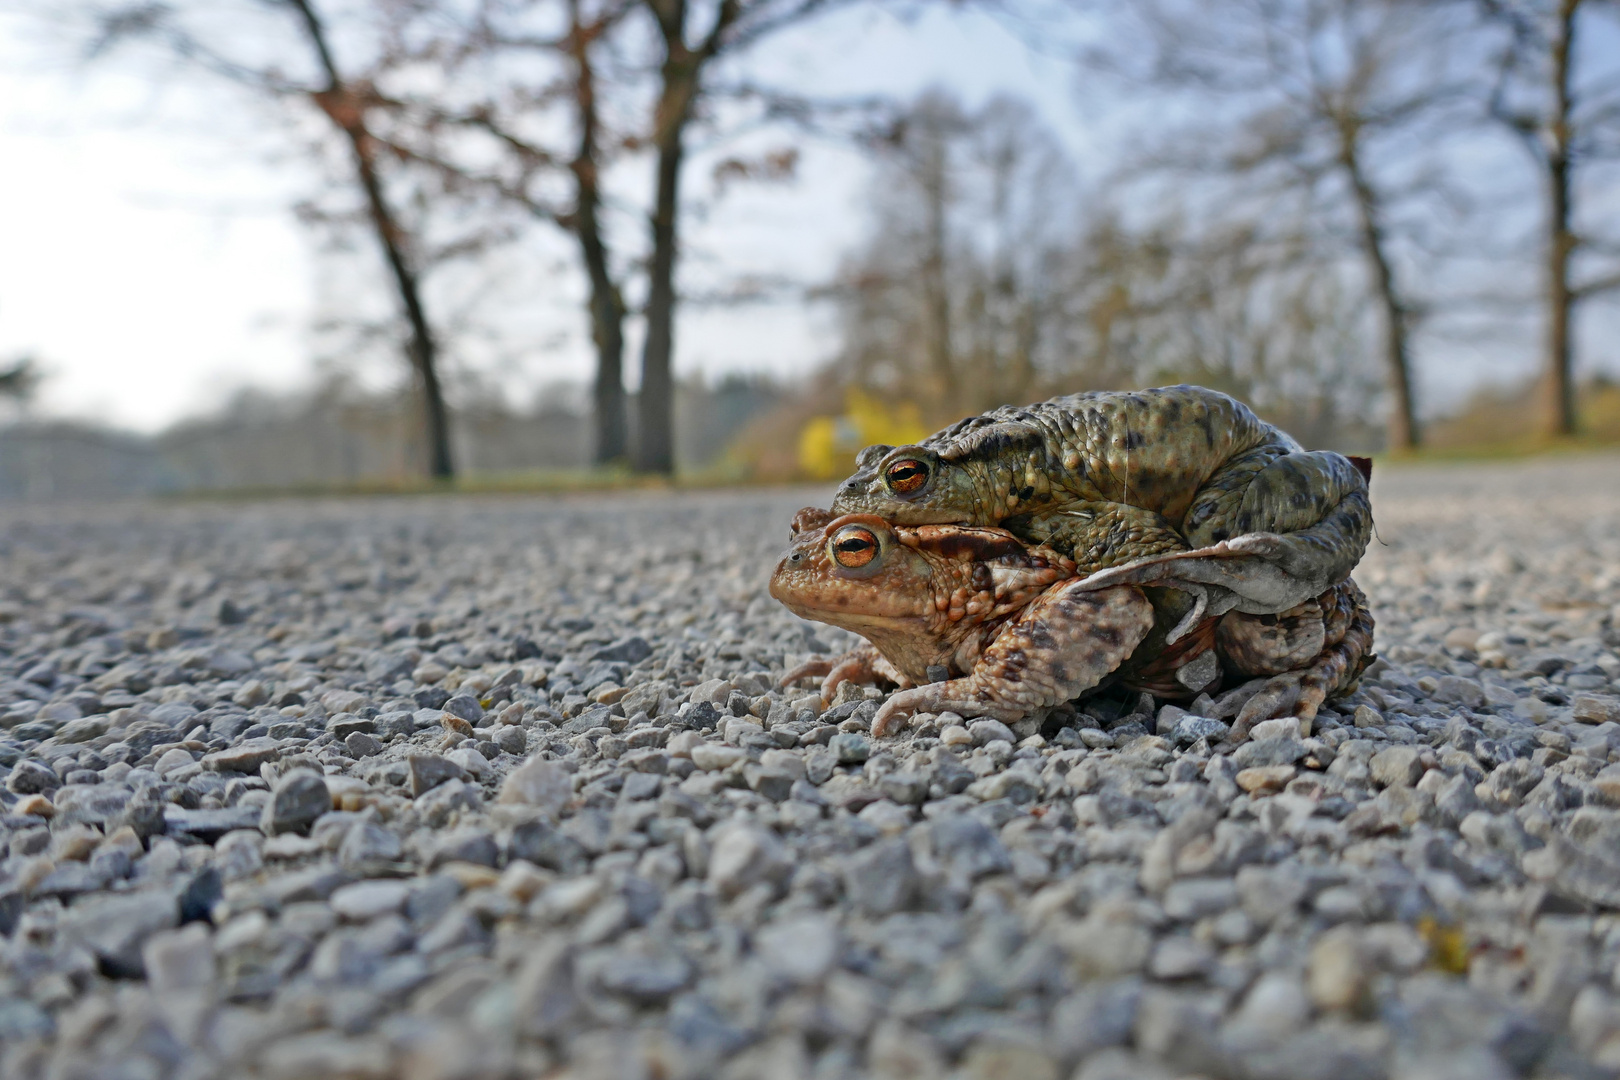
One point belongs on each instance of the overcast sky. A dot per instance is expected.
(149, 258)
(151, 262)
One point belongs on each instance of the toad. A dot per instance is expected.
(975, 621)
(1109, 479)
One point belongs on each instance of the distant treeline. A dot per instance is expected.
(339, 437)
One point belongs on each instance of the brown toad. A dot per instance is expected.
(975, 621)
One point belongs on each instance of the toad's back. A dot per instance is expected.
(1152, 449)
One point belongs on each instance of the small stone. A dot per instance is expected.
(1013, 784)
(1178, 957)
(327, 1053)
(365, 900)
(995, 1059)
(207, 825)
(82, 730)
(716, 757)
(253, 693)
(35, 806)
(645, 978)
(967, 848)
(464, 706)
(362, 745)
(773, 784)
(30, 777)
(115, 928)
(1462, 639)
(1283, 727)
(988, 731)
(1398, 766)
(800, 949)
(956, 736)
(512, 740)
(1194, 898)
(1276, 1005)
(180, 960)
(906, 788)
(630, 650)
(1268, 752)
(539, 783)
(1591, 709)
(59, 712)
(880, 879)
(428, 771)
(1095, 1017)
(1460, 690)
(1265, 778)
(469, 845)
(245, 757)
(298, 799)
(428, 673)
(368, 845)
(850, 748)
(75, 842)
(475, 764)
(1337, 971)
(745, 855)
(1189, 729)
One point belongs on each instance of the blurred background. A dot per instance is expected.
(305, 245)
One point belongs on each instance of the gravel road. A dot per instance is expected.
(468, 788)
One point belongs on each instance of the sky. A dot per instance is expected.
(152, 264)
(150, 259)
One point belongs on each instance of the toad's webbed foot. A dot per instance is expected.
(1062, 645)
(1346, 633)
(862, 664)
(815, 667)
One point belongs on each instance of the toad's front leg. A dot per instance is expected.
(1058, 647)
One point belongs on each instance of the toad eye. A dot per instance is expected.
(907, 476)
(853, 547)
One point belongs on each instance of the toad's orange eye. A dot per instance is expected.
(853, 547)
(907, 476)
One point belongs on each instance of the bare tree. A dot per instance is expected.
(607, 302)
(981, 209)
(1567, 124)
(347, 102)
(956, 300)
(666, 78)
(347, 110)
(1318, 112)
(689, 38)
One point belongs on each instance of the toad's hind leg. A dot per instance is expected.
(1063, 644)
(1347, 634)
(1311, 510)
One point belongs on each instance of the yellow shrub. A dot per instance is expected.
(828, 444)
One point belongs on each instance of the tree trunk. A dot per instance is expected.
(349, 115)
(936, 282)
(607, 307)
(1404, 433)
(1558, 391)
(655, 419)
